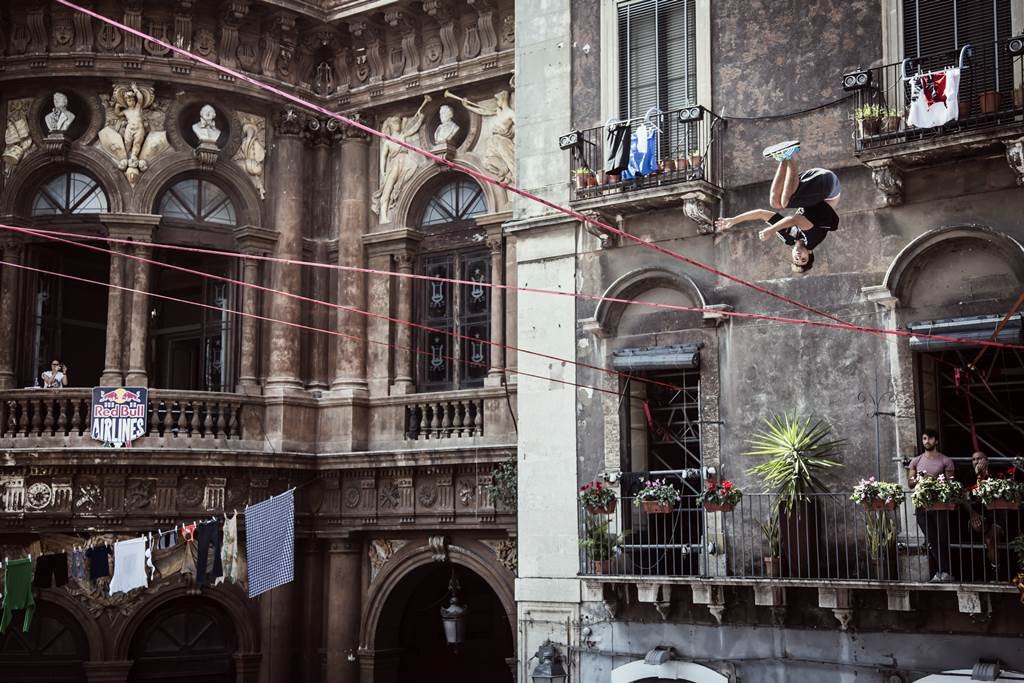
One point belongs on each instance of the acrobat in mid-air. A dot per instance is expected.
(814, 194)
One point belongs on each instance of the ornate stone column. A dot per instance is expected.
(13, 251)
(349, 222)
(496, 374)
(404, 383)
(344, 606)
(252, 241)
(285, 340)
(321, 134)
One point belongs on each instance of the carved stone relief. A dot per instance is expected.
(252, 152)
(397, 164)
(506, 552)
(17, 136)
(380, 551)
(499, 133)
(213, 494)
(140, 493)
(134, 134)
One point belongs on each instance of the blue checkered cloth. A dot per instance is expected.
(270, 542)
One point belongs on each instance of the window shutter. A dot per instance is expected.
(657, 55)
(935, 26)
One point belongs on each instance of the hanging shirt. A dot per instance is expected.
(130, 560)
(642, 152)
(934, 98)
(617, 145)
(18, 593)
(231, 560)
(99, 561)
(77, 563)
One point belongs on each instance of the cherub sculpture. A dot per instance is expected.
(128, 136)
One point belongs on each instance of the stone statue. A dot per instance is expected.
(17, 138)
(129, 136)
(500, 154)
(252, 152)
(56, 377)
(60, 119)
(448, 129)
(396, 163)
(206, 127)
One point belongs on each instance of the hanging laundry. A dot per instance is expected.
(208, 537)
(77, 563)
(188, 531)
(177, 559)
(18, 593)
(934, 98)
(130, 560)
(51, 570)
(270, 542)
(231, 561)
(642, 152)
(617, 143)
(99, 561)
(166, 540)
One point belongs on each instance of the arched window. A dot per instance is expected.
(197, 201)
(69, 193)
(453, 249)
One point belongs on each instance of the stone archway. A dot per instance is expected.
(55, 648)
(668, 671)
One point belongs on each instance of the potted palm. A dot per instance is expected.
(999, 493)
(770, 531)
(597, 498)
(868, 118)
(799, 452)
(881, 536)
(600, 545)
(937, 493)
(878, 495)
(657, 497)
(719, 496)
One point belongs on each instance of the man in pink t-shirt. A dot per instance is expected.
(932, 463)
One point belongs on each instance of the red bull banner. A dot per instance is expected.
(119, 414)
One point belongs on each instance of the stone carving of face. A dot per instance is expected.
(60, 101)
(446, 113)
(207, 114)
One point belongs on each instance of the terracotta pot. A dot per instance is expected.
(606, 510)
(965, 109)
(696, 160)
(989, 101)
(891, 124)
(719, 507)
(940, 507)
(682, 163)
(591, 180)
(869, 126)
(884, 568)
(613, 178)
(602, 566)
(653, 507)
(581, 181)
(879, 505)
(1003, 505)
(773, 566)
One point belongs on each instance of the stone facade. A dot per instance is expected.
(391, 478)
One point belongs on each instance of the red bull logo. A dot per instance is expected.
(119, 414)
(120, 396)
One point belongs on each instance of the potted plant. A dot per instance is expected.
(798, 452)
(600, 545)
(1017, 546)
(581, 177)
(868, 118)
(719, 496)
(668, 165)
(597, 498)
(881, 536)
(937, 493)
(878, 495)
(891, 119)
(999, 493)
(989, 101)
(612, 178)
(773, 559)
(682, 160)
(657, 497)
(696, 159)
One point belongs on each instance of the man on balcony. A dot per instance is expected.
(932, 463)
(814, 194)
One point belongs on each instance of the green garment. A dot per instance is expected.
(18, 592)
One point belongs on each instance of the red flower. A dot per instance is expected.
(711, 486)
(1012, 471)
(727, 485)
(598, 485)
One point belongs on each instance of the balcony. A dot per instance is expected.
(684, 168)
(828, 543)
(990, 114)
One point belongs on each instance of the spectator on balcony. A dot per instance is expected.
(814, 194)
(56, 377)
(932, 463)
(983, 519)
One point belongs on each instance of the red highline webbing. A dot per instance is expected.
(532, 290)
(441, 160)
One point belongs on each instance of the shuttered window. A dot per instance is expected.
(657, 55)
(933, 27)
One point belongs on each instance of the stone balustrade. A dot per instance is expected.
(444, 419)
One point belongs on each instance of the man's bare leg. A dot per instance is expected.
(791, 181)
(778, 183)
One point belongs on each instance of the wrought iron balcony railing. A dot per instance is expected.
(683, 147)
(990, 95)
(828, 537)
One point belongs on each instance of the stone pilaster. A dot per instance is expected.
(113, 367)
(349, 223)
(251, 241)
(284, 352)
(343, 609)
(13, 252)
(404, 383)
(277, 633)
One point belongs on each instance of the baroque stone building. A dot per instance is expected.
(391, 431)
(930, 240)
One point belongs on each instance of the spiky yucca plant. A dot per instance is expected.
(798, 452)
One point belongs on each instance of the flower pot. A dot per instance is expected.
(773, 566)
(668, 165)
(939, 507)
(607, 509)
(719, 507)
(884, 568)
(601, 566)
(696, 160)
(682, 163)
(591, 180)
(653, 507)
(891, 124)
(612, 178)
(581, 181)
(869, 126)
(989, 101)
(964, 109)
(1003, 505)
(879, 504)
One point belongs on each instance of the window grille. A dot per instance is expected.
(69, 193)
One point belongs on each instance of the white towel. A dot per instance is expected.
(934, 98)
(130, 560)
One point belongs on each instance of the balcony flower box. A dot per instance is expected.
(937, 493)
(1003, 505)
(875, 505)
(657, 497)
(878, 495)
(999, 492)
(940, 507)
(598, 498)
(600, 544)
(719, 496)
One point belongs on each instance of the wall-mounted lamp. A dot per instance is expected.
(690, 114)
(1015, 46)
(549, 668)
(453, 615)
(856, 80)
(570, 140)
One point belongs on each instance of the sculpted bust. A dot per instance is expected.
(206, 127)
(60, 119)
(448, 129)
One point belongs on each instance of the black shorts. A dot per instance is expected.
(816, 185)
